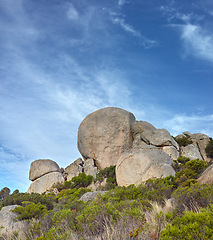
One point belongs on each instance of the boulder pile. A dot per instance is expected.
(44, 173)
(112, 137)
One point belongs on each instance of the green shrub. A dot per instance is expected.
(190, 226)
(209, 149)
(30, 210)
(18, 198)
(193, 197)
(82, 180)
(183, 141)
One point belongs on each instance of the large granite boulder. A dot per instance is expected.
(191, 151)
(45, 182)
(41, 167)
(105, 134)
(9, 225)
(207, 176)
(136, 166)
(74, 169)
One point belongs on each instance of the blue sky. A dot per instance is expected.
(63, 59)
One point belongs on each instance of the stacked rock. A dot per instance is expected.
(44, 173)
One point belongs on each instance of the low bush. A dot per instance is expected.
(183, 141)
(190, 226)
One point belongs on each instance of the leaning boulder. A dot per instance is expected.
(41, 167)
(207, 176)
(171, 151)
(10, 226)
(74, 169)
(44, 183)
(137, 166)
(105, 134)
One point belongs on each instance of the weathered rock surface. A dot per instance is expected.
(148, 134)
(91, 195)
(191, 152)
(201, 141)
(41, 167)
(74, 169)
(105, 134)
(134, 167)
(45, 182)
(171, 151)
(90, 168)
(95, 186)
(9, 225)
(207, 176)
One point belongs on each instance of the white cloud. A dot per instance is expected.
(194, 124)
(197, 42)
(72, 13)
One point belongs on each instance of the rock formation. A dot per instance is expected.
(134, 167)
(104, 135)
(112, 137)
(74, 169)
(9, 225)
(44, 173)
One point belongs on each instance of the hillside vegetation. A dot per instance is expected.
(175, 207)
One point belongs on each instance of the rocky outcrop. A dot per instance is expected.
(74, 169)
(134, 167)
(105, 134)
(197, 148)
(9, 225)
(152, 136)
(44, 173)
(41, 167)
(207, 176)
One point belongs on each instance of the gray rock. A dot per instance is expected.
(90, 168)
(9, 225)
(171, 151)
(74, 169)
(148, 134)
(91, 195)
(137, 166)
(41, 167)
(105, 134)
(201, 141)
(190, 151)
(207, 176)
(44, 183)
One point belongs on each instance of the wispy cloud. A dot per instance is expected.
(118, 19)
(121, 2)
(180, 123)
(72, 12)
(197, 42)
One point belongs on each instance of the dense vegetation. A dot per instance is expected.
(209, 149)
(176, 207)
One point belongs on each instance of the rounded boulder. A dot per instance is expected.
(105, 134)
(135, 167)
(41, 167)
